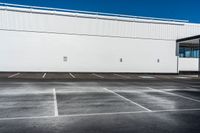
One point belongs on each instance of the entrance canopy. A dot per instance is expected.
(189, 47)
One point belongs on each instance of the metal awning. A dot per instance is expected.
(190, 40)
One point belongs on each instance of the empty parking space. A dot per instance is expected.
(159, 100)
(85, 76)
(111, 76)
(78, 101)
(192, 93)
(57, 76)
(15, 75)
(26, 105)
(29, 76)
(132, 76)
(5, 75)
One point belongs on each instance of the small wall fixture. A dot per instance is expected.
(65, 58)
(121, 60)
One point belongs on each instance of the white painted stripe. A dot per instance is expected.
(147, 77)
(55, 103)
(99, 76)
(122, 76)
(195, 86)
(23, 118)
(11, 76)
(175, 94)
(131, 112)
(176, 110)
(181, 77)
(23, 93)
(86, 91)
(127, 99)
(99, 114)
(72, 75)
(188, 89)
(44, 75)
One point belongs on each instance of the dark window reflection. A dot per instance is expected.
(188, 52)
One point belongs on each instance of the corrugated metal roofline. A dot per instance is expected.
(55, 10)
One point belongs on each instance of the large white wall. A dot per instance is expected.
(33, 41)
(27, 51)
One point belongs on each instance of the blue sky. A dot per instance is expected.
(174, 9)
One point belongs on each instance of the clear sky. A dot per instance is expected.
(174, 9)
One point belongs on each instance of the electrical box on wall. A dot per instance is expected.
(158, 60)
(65, 58)
(121, 60)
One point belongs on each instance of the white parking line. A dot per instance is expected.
(11, 76)
(99, 76)
(44, 75)
(127, 99)
(122, 76)
(195, 86)
(72, 75)
(175, 94)
(55, 103)
(181, 77)
(131, 112)
(147, 77)
(99, 114)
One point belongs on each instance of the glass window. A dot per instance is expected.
(188, 52)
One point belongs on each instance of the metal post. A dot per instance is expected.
(199, 59)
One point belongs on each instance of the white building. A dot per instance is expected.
(37, 39)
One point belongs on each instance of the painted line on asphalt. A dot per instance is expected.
(55, 103)
(99, 114)
(99, 76)
(147, 77)
(196, 86)
(13, 75)
(24, 93)
(72, 75)
(127, 99)
(131, 112)
(122, 76)
(44, 75)
(178, 95)
(182, 77)
(189, 89)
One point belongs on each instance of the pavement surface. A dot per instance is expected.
(131, 104)
(52, 76)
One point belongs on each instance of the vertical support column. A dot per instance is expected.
(199, 60)
(177, 54)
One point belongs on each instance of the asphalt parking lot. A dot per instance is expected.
(45, 76)
(140, 104)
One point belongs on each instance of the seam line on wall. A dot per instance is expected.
(87, 35)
